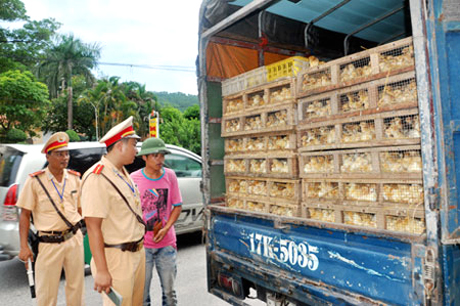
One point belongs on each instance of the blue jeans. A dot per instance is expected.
(165, 260)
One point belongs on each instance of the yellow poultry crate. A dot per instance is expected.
(269, 119)
(286, 68)
(369, 65)
(397, 162)
(389, 94)
(244, 81)
(381, 193)
(262, 165)
(399, 127)
(270, 142)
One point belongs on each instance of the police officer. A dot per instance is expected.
(113, 215)
(50, 196)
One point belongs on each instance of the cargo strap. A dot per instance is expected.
(139, 218)
(133, 246)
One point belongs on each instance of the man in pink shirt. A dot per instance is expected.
(161, 206)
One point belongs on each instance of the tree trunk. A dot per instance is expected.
(69, 109)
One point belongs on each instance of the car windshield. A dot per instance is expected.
(10, 159)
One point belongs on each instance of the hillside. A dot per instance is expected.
(177, 99)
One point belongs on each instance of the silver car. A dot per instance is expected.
(17, 161)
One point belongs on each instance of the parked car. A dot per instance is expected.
(18, 160)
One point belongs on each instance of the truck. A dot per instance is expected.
(341, 250)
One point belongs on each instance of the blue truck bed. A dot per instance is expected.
(306, 262)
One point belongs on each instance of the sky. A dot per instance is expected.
(137, 32)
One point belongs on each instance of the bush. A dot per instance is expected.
(73, 135)
(15, 135)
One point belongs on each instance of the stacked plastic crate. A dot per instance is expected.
(258, 124)
(359, 140)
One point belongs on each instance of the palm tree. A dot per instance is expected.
(145, 101)
(68, 56)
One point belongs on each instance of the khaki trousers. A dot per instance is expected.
(127, 270)
(52, 257)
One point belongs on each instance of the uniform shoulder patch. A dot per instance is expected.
(98, 169)
(37, 173)
(74, 172)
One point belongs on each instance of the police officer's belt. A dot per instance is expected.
(133, 246)
(59, 236)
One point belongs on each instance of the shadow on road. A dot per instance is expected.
(185, 241)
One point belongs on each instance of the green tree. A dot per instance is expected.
(193, 112)
(177, 130)
(15, 136)
(182, 132)
(20, 48)
(145, 100)
(68, 56)
(83, 119)
(23, 101)
(170, 113)
(12, 10)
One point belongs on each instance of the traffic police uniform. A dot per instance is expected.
(121, 230)
(59, 246)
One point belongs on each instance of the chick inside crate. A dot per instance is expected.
(254, 122)
(315, 78)
(231, 125)
(397, 58)
(409, 224)
(256, 99)
(324, 135)
(402, 127)
(278, 118)
(233, 105)
(317, 163)
(281, 93)
(234, 145)
(282, 141)
(399, 92)
(378, 162)
(235, 203)
(236, 165)
(320, 214)
(403, 193)
(315, 108)
(258, 143)
(245, 204)
(403, 160)
(359, 68)
(286, 210)
(284, 189)
(358, 131)
(274, 166)
(246, 186)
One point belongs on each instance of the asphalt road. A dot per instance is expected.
(191, 280)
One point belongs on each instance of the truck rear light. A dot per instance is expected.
(10, 212)
(11, 195)
(230, 284)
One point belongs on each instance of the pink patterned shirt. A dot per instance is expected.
(158, 197)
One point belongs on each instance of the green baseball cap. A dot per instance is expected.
(152, 146)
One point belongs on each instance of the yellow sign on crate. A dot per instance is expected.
(286, 68)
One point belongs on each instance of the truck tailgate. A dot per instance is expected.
(304, 260)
